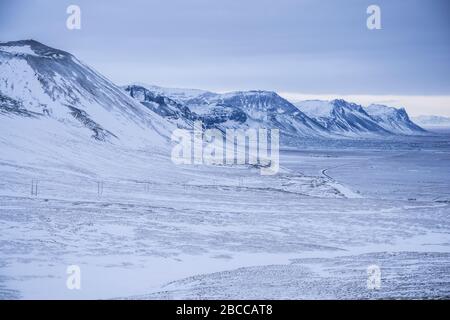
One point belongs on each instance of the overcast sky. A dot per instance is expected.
(303, 48)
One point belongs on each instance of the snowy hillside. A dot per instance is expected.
(52, 85)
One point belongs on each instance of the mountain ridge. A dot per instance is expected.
(39, 81)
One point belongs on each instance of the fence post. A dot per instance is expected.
(99, 188)
(34, 187)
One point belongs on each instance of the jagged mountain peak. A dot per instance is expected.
(348, 118)
(342, 104)
(379, 109)
(342, 117)
(395, 120)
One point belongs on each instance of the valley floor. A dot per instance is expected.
(226, 234)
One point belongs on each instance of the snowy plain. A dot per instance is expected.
(161, 231)
(86, 179)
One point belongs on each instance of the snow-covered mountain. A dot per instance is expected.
(247, 109)
(394, 120)
(432, 121)
(351, 119)
(48, 84)
(52, 85)
(341, 117)
(242, 109)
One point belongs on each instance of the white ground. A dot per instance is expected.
(193, 232)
